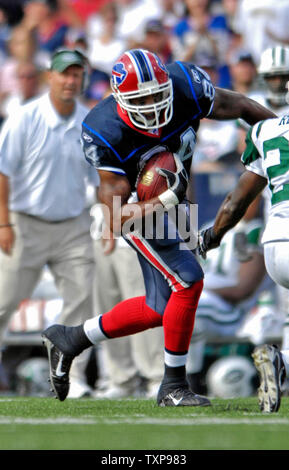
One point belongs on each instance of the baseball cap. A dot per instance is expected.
(206, 60)
(240, 56)
(65, 58)
(154, 26)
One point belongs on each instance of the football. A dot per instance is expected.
(150, 183)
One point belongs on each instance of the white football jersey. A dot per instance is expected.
(267, 154)
(222, 265)
(222, 268)
(261, 98)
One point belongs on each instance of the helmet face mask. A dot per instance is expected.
(277, 88)
(274, 69)
(142, 88)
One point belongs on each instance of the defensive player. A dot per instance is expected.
(233, 279)
(152, 108)
(274, 72)
(266, 161)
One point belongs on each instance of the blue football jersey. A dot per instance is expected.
(111, 144)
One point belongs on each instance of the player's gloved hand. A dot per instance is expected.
(177, 184)
(207, 240)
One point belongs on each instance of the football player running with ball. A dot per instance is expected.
(152, 108)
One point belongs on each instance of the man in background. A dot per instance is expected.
(43, 183)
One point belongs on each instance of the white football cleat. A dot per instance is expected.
(270, 366)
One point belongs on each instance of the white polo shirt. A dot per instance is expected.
(41, 154)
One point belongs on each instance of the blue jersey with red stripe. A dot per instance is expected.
(112, 143)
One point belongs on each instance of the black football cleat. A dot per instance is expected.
(270, 366)
(179, 394)
(60, 356)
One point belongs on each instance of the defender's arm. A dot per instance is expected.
(232, 210)
(236, 203)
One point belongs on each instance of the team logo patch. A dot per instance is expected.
(196, 76)
(119, 73)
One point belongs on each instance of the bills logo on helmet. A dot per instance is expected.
(119, 73)
(140, 73)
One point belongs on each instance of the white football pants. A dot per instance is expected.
(277, 262)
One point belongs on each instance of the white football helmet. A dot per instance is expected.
(274, 69)
(136, 75)
(231, 377)
(32, 376)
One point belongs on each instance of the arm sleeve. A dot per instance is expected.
(251, 157)
(12, 144)
(193, 89)
(202, 90)
(99, 156)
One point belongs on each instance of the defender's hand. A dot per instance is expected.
(207, 240)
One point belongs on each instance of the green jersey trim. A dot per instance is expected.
(280, 196)
(251, 153)
(253, 237)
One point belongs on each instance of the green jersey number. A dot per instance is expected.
(276, 157)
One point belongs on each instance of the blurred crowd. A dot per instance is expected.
(224, 37)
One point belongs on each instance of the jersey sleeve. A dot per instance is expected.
(198, 89)
(12, 142)
(251, 157)
(97, 153)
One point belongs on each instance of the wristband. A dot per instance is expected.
(168, 199)
(6, 225)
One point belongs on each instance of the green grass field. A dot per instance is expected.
(47, 424)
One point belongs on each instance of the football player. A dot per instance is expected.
(152, 108)
(274, 71)
(266, 162)
(233, 279)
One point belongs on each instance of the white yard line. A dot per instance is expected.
(192, 421)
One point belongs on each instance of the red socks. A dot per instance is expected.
(129, 317)
(133, 315)
(179, 318)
